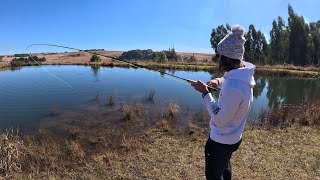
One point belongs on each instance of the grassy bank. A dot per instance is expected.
(283, 143)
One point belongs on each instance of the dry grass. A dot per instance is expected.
(290, 67)
(131, 111)
(289, 153)
(10, 153)
(292, 153)
(305, 114)
(172, 110)
(88, 148)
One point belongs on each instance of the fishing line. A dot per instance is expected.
(50, 72)
(178, 79)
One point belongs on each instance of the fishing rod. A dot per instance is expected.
(124, 61)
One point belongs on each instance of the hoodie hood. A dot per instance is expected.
(244, 74)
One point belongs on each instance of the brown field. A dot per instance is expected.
(84, 57)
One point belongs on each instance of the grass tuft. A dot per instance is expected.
(130, 111)
(110, 101)
(97, 98)
(55, 111)
(172, 110)
(150, 95)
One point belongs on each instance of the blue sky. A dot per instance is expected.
(134, 24)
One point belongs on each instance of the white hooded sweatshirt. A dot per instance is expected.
(229, 113)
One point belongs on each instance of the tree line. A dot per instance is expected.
(156, 56)
(295, 42)
(16, 62)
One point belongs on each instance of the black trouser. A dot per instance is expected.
(217, 157)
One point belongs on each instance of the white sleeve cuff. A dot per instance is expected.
(208, 97)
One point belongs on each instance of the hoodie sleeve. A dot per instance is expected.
(221, 81)
(223, 111)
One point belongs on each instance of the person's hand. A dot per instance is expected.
(200, 86)
(213, 83)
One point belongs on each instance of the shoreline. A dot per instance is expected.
(203, 63)
(282, 71)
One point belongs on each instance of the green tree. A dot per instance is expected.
(218, 34)
(95, 58)
(279, 42)
(297, 39)
(162, 57)
(172, 55)
(256, 46)
(314, 43)
(250, 44)
(155, 56)
(192, 58)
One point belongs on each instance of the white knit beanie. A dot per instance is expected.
(232, 45)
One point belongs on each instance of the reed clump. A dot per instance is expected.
(110, 101)
(55, 111)
(130, 111)
(172, 110)
(169, 120)
(305, 114)
(151, 95)
(97, 98)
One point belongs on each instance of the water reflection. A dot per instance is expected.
(260, 85)
(95, 69)
(287, 90)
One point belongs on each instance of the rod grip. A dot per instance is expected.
(209, 87)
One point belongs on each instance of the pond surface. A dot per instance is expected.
(30, 94)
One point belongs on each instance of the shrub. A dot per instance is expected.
(95, 58)
(16, 62)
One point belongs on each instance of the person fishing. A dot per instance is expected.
(228, 113)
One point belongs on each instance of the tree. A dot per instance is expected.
(314, 43)
(250, 44)
(297, 39)
(162, 57)
(192, 58)
(261, 49)
(279, 42)
(255, 46)
(218, 34)
(95, 58)
(155, 56)
(172, 55)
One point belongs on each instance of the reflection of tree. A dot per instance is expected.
(95, 69)
(260, 85)
(15, 68)
(162, 73)
(172, 71)
(292, 90)
(275, 91)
